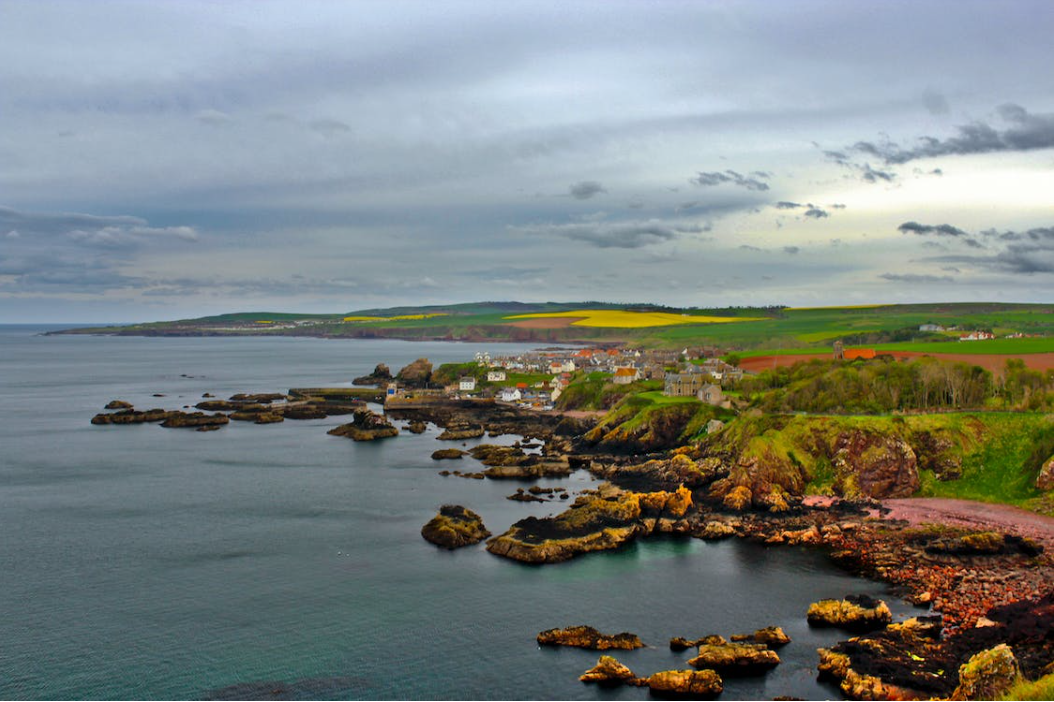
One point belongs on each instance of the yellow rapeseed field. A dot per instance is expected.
(632, 320)
(396, 318)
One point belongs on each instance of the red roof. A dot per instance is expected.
(850, 354)
(521, 385)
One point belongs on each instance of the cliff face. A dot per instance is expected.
(633, 429)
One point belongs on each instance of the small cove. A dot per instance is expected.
(153, 563)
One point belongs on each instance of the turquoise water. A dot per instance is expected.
(278, 562)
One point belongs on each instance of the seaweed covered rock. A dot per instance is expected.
(855, 613)
(460, 431)
(493, 455)
(117, 405)
(687, 683)
(679, 643)
(736, 658)
(454, 527)
(367, 426)
(608, 672)
(416, 427)
(588, 637)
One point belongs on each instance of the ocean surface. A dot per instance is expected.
(276, 562)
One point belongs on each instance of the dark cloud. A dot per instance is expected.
(730, 176)
(872, 175)
(785, 205)
(837, 206)
(792, 250)
(586, 189)
(1024, 253)
(748, 247)
(816, 213)
(925, 229)
(915, 278)
(1027, 132)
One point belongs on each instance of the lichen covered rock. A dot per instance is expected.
(687, 683)
(736, 658)
(608, 672)
(987, 674)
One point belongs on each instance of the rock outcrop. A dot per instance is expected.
(588, 637)
(367, 426)
(770, 636)
(454, 527)
(875, 465)
(608, 672)
(1045, 479)
(446, 454)
(735, 658)
(381, 375)
(131, 416)
(195, 420)
(461, 431)
(416, 374)
(704, 684)
(854, 613)
(118, 405)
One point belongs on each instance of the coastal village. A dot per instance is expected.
(535, 380)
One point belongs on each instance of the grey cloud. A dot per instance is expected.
(1028, 132)
(872, 175)
(935, 103)
(607, 235)
(924, 229)
(214, 118)
(792, 250)
(329, 127)
(837, 206)
(730, 176)
(785, 205)
(89, 229)
(816, 213)
(915, 278)
(586, 189)
(748, 247)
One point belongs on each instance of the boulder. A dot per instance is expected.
(454, 527)
(416, 427)
(687, 683)
(679, 643)
(608, 672)
(736, 658)
(460, 432)
(854, 613)
(447, 453)
(987, 675)
(588, 637)
(118, 404)
(714, 530)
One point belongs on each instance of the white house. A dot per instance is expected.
(496, 376)
(467, 384)
(511, 395)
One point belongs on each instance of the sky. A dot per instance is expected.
(163, 160)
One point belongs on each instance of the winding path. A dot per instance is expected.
(981, 515)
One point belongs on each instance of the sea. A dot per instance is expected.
(277, 562)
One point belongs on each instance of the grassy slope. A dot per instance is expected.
(1001, 452)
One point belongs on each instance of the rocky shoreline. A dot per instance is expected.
(982, 586)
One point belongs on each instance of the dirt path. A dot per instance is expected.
(980, 515)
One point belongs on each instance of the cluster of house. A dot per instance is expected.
(966, 336)
(703, 380)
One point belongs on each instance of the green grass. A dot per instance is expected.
(992, 346)
(1042, 689)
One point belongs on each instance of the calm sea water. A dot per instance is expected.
(141, 562)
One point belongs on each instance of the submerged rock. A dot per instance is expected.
(588, 637)
(687, 683)
(454, 527)
(855, 613)
(608, 672)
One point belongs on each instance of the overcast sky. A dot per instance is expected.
(168, 159)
